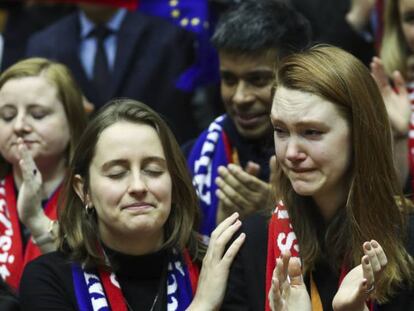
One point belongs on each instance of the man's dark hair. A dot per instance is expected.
(256, 25)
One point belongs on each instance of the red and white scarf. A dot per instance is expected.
(13, 257)
(281, 237)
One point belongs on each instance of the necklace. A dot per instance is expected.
(152, 306)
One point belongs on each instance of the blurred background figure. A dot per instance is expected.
(396, 65)
(41, 119)
(113, 52)
(20, 19)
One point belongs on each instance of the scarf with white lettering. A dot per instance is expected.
(281, 237)
(13, 257)
(211, 150)
(101, 291)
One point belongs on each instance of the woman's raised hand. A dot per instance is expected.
(29, 201)
(216, 265)
(359, 284)
(288, 291)
(396, 101)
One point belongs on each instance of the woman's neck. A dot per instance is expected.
(133, 244)
(52, 176)
(329, 203)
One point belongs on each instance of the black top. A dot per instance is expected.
(8, 300)
(246, 287)
(47, 282)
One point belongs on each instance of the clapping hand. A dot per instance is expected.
(397, 103)
(29, 201)
(288, 291)
(216, 265)
(359, 284)
(241, 190)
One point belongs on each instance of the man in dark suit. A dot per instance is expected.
(137, 56)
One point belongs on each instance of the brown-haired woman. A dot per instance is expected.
(337, 181)
(41, 119)
(127, 228)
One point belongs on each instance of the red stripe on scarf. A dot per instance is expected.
(227, 147)
(13, 258)
(193, 271)
(280, 235)
(113, 291)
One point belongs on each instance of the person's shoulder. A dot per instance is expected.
(47, 283)
(53, 261)
(155, 24)
(57, 27)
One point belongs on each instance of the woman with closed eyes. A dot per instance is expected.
(128, 225)
(41, 119)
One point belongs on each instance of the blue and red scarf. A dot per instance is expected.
(100, 291)
(211, 150)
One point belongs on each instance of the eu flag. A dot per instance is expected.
(192, 15)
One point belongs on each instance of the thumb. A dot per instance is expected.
(252, 168)
(295, 271)
(399, 82)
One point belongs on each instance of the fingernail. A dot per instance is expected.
(374, 244)
(368, 246)
(366, 260)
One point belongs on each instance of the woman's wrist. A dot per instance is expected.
(49, 236)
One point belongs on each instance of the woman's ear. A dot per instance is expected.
(78, 186)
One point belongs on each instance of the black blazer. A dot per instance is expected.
(150, 55)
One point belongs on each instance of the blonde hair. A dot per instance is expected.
(394, 51)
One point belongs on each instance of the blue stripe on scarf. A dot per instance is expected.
(179, 290)
(207, 154)
(81, 290)
(178, 278)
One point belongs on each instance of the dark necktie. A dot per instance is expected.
(101, 73)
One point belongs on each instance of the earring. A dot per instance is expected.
(89, 209)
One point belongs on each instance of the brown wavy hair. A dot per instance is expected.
(371, 210)
(78, 232)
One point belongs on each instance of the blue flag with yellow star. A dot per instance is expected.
(192, 15)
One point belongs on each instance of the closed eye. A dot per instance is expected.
(8, 114)
(313, 133)
(280, 132)
(153, 172)
(116, 175)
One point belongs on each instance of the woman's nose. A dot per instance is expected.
(137, 183)
(21, 125)
(294, 150)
